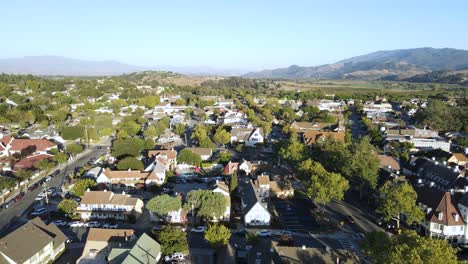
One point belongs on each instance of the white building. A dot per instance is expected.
(249, 136)
(254, 207)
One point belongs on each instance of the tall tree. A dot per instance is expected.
(207, 204)
(293, 151)
(128, 146)
(82, 185)
(363, 166)
(130, 163)
(217, 235)
(408, 247)
(188, 157)
(68, 207)
(322, 186)
(172, 239)
(222, 136)
(233, 182)
(399, 198)
(163, 204)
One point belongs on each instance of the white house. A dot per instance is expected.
(254, 207)
(250, 136)
(443, 219)
(205, 153)
(107, 205)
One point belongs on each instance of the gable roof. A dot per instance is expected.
(304, 126)
(460, 157)
(244, 133)
(18, 144)
(436, 172)
(170, 154)
(106, 197)
(314, 136)
(145, 250)
(30, 161)
(263, 180)
(386, 161)
(251, 197)
(27, 240)
(221, 185)
(439, 202)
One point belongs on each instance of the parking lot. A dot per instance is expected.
(295, 216)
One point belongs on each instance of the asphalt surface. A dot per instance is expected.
(356, 125)
(15, 215)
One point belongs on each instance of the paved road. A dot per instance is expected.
(356, 125)
(15, 215)
(363, 222)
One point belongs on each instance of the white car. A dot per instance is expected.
(93, 224)
(264, 233)
(60, 223)
(76, 224)
(48, 178)
(175, 256)
(39, 211)
(199, 229)
(111, 226)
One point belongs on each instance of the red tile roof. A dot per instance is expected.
(29, 162)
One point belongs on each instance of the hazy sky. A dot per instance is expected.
(227, 34)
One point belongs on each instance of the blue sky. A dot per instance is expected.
(227, 34)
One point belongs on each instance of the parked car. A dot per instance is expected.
(48, 178)
(76, 224)
(60, 223)
(264, 233)
(77, 199)
(199, 229)
(33, 187)
(93, 224)
(175, 256)
(55, 173)
(39, 211)
(111, 226)
(19, 196)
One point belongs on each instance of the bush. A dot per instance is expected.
(73, 132)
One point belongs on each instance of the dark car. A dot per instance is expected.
(55, 173)
(241, 232)
(349, 219)
(33, 187)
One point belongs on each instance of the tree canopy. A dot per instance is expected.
(399, 198)
(407, 247)
(217, 235)
(127, 147)
(130, 163)
(163, 204)
(68, 206)
(207, 204)
(188, 157)
(82, 185)
(172, 239)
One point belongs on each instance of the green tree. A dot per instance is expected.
(82, 185)
(44, 165)
(6, 183)
(233, 182)
(222, 136)
(224, 157)
(399, 198)
(188, 157)
(179, 129)
(363, 165)
(74, 149)
(68, 206)
(149, 101)
(217, 235)
(322, 186)
(60, 158)
(23, 174)
(207, 204)
(293, 151)
(128, 146)
(172, 239)
(130, 163)
(408, 247)
(150, 132)
(163, 204)
(73, 132)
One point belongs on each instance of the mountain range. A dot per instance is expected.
(62, 66)
(395, 64)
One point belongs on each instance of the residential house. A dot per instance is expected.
(145, 250)
(30, 161)
(263, 185)
(33, 242)
(170, 155)
(244, 166)
(422, 139)
(230, 168)
(281, 189)
(301, 127)
(169, 136)
(436, 174)
(389, 162)
(205, 153)
(443, 219)
(459, 159)
(132, 178)
(222, 188)
(254, 207)
(249, 136)
(107, 205)
(100, 242)
(10, 146)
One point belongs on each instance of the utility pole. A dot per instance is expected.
(87, 138)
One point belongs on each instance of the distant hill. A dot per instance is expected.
(399, 64)
(55, 65)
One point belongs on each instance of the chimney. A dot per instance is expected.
(455, 216)
(87, 190)
(433, 159)
(129, 169)
(444, 162)
(429, 210)
(440, 216)
(105, 190)
(123, 192)
(431, 184)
